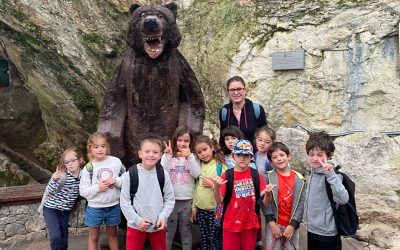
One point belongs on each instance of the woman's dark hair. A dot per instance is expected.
(235, 79)
(230, 131)
(218, 154)
(322, 141)
(277, 146)
(181, 130)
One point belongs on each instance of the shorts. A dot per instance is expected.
(95, 216)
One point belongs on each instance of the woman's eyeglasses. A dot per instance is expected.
(239, 90)
(70, 161)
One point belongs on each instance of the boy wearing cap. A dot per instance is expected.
(240, 221)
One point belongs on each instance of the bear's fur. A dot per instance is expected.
(153, 89)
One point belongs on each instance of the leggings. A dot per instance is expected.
(209, 233)
(180, 216)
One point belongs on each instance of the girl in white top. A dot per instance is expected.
(100, 185)
(183, 169)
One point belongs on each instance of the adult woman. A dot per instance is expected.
(240, 111)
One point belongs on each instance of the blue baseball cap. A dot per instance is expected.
(242, 147)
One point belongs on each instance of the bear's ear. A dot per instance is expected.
(172, 7)
(133, 7)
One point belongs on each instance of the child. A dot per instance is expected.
(263, 139)
(58, 201)
(228, 137)
(149, 209)
(212, 164)
(318, 214)
(240, 221)
(284, 214)
(183, 169)
(100, 185)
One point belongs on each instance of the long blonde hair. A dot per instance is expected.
(90, 142)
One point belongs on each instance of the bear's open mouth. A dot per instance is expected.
(153, 46)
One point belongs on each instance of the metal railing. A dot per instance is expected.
(391, 133)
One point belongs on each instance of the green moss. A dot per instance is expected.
(212, 33)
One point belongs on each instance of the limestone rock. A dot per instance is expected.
(295, 140)
(350, 79)
(14, 229)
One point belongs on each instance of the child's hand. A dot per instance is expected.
(168, 148)
(193, 216)
(184, 152)
(325, 165)
(56, 175)
(144, 224)
(218, 181)
(109, 182)
(207, 182)
(276, 231)
(103, 186)
(160, 224)
(268, 188)
(288, 233)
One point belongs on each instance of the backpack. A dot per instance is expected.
(134, 179)
(256, 108)
(346, 217)
(46, 195)
(229, 189)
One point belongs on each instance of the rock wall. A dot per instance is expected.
(11, 174)
(22, 222)
(351, 75)
(64, 52)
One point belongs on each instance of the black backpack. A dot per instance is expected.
(229, 174)
(346, 217)
(134, 179)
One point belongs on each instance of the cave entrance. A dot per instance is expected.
(4, 74)
(22, 129)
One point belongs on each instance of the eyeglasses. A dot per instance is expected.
(239, 90)
(70, 161)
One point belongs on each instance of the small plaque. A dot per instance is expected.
(288, 60)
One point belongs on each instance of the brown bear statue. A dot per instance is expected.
(153, 90)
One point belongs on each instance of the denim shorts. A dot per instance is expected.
(95, 216)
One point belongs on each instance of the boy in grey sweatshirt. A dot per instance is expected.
(318, 214)
(150, 210)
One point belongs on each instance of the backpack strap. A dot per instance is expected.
(89, 168)
(256, 183)
(134, 180)
(62, 181)
(160, 177)
(256, 108)
(229, 174)
(219, 169)
(224, 113)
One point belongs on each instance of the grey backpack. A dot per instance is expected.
(47, 195)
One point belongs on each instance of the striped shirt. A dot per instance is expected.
(64, 199)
